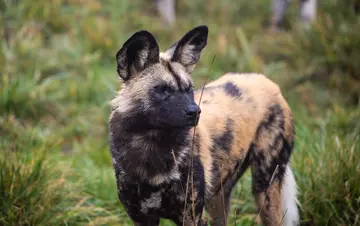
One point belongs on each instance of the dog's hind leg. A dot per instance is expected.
(277, 202)
(273, 183)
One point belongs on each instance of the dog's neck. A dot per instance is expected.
(150, 155)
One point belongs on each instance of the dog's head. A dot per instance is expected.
(157, 91)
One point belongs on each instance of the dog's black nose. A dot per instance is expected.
(193, 110)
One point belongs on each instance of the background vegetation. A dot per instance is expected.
(58, 72)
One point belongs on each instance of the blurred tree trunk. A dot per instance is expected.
(166, 10)
(308, 10)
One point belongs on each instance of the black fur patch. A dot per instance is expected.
(224, 141)
(260, 175)
(229, 88)
(133, 194)
(131, 198)
(278, 151)
(284, 157)
(198, 171)
(275, 113)
(232, 90)
(151, 151)
(133, 189)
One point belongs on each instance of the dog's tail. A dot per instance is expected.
(289, 199)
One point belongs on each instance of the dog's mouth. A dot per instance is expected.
(197, 120)
(187, 126)
(194, 122)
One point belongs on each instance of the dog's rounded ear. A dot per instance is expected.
(188, 49)
(138, 52)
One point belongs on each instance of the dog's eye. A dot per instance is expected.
(163, 89)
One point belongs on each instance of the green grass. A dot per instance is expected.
(58, 72)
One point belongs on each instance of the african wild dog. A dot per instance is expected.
(245, 122)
